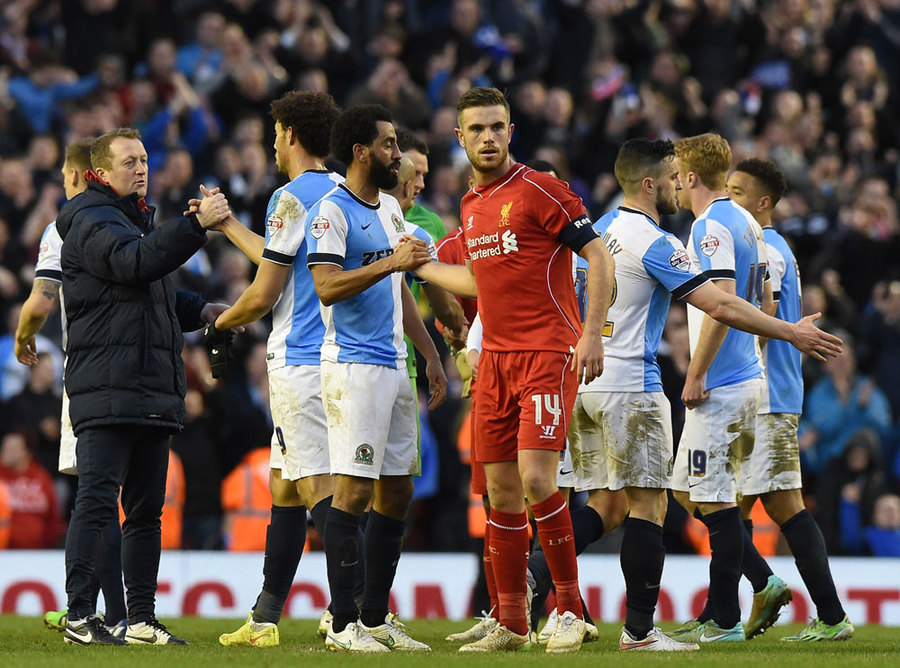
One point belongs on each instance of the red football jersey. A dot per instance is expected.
(526, 291)
(452, 250)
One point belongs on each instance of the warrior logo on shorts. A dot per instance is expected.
(398, 223)
(709, 245)
(365, 454)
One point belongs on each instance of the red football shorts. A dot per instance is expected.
(525, 401)
(478, 483)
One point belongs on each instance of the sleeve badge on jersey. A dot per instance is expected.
(319, 226)
(398, 223)
(709, 245)
(680, 260)
(274, 223)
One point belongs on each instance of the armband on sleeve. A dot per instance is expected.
(578, 233)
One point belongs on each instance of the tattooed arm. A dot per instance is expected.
(35, 311)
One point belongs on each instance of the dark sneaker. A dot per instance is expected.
(89, 631)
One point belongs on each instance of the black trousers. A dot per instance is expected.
(137, 458)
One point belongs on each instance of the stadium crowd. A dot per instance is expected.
(808, 84)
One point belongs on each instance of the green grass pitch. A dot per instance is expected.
(25, 642)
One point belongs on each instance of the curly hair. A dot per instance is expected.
(357, 125)
(708, 155)
(101, 155)
(311, 115)
(639, 158)
(770, 179)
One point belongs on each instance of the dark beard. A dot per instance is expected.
(666, 207)
(382, 176)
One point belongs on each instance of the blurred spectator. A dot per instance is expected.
(390, 85)
(174, 184)
(36, 522)
(881, 537)
(14, 376)
(841, 404)
(197, 447)
(879, 342)
(866, 248)
(36, 410)
(17, 194)
(246, 501)
(201, 60)
(856, 474)
(310, 40)
(46, 85)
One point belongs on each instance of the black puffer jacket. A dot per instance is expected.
(124, 316)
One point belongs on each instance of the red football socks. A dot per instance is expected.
(509, 557)
(558, 542)
(489, 579)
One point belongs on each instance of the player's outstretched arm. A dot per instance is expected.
(247, 241)
(587, 360)
(737, 313)
(259, 297)
(456, 278)
(414, 328)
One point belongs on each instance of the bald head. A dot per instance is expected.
(405, 190)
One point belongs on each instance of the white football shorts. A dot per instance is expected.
(371, 412)
(717, 436)
(621, 439)
(565, 473)
(67, 439)
(774, 463)
(300, 435)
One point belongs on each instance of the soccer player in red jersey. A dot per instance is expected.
(521, 227)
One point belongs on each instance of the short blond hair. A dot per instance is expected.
(101, 155)
(708, 156)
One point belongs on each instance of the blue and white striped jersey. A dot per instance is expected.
(727, 243)
(651, 267)
(348, 232)
(297, 329)
(784, 379)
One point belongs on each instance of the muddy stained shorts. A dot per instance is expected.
(300, 435)
(718, 435)
(774, 463)
(372, 420)
(621, 439)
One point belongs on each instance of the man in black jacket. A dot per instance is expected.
(124, 375)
